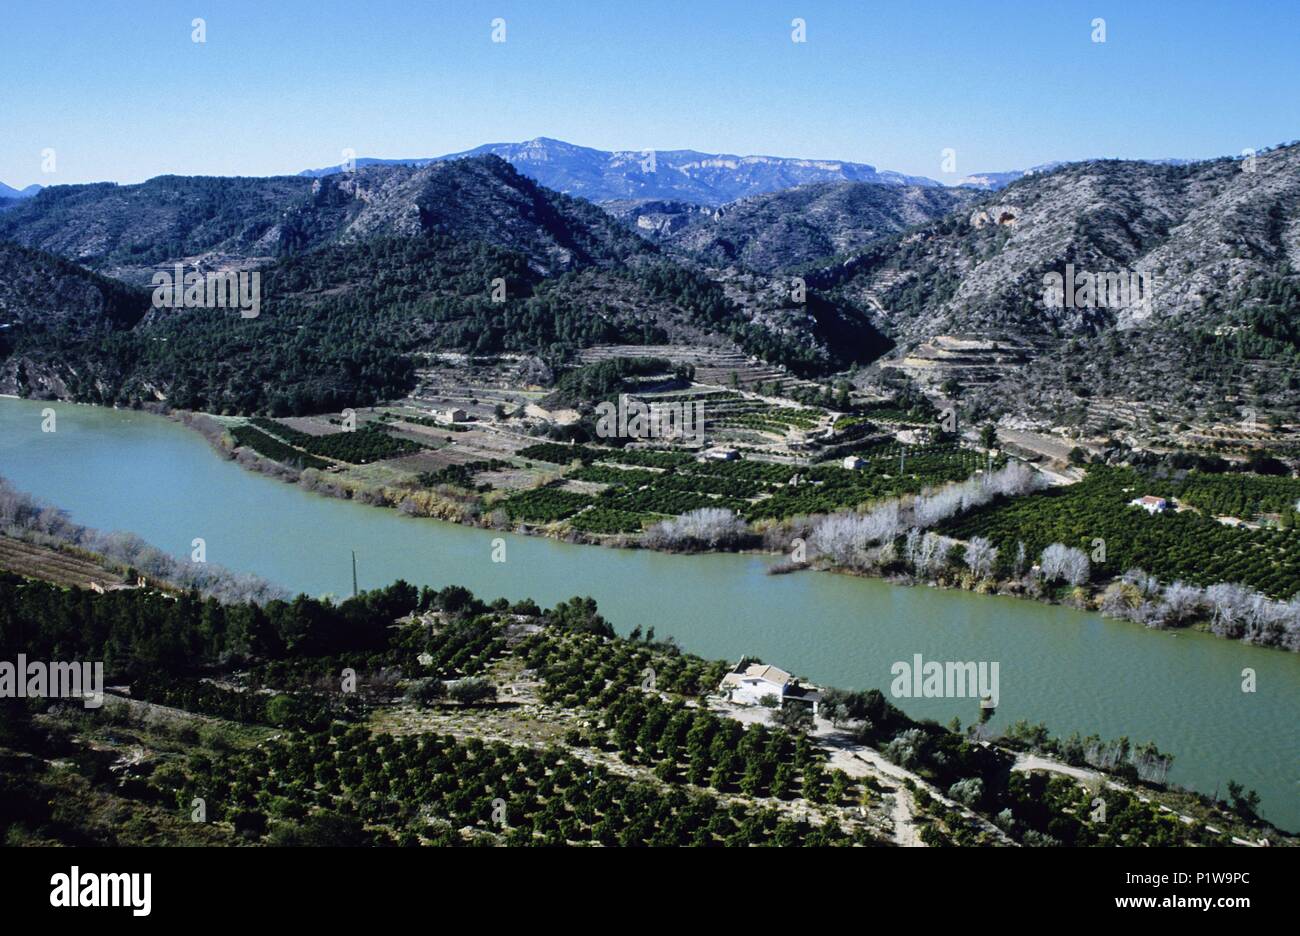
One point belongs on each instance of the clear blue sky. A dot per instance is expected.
(120, 92)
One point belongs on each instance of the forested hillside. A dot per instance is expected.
(130, 230)
(126, 231)
(364, 271)
(344, 325)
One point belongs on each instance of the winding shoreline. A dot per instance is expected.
(217, 435)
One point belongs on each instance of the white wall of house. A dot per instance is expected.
(754, 690)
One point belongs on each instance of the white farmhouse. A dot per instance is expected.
(1152, 505)
(753, 682)
(853, 463)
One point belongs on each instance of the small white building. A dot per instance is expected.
(853, 463)
(450, 415)
(719, 454)
(1152, 505)
(753, 682)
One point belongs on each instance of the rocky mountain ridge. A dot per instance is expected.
(669, 175)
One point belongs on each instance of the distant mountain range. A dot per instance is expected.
(678, 175)
(696, 178)
(688, 176)
(9, 192)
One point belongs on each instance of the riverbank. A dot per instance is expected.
(552, 671)
(1115, 597)
(37, 538)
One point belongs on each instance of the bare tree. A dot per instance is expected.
(1182, 602)
(1228, 608)
(912, 547)
(1060, 562)
(1147, 585)
(981, 555)
(706, 528)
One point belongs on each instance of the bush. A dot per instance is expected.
(280, 710)
(322, 829)
(968, 792)
(249, 822)
(426, 691)
(472, 690)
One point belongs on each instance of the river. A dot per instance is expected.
(1075, 671)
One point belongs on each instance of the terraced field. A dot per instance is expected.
(52, 565)
(1186, 545)
(646, 486)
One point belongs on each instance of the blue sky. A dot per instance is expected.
(120, 92)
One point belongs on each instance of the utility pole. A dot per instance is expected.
(354, 573)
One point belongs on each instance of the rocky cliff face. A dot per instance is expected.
(1201, 230)
(788, 230)
(658, 220)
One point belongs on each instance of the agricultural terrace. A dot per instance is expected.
(641, 487)
(1187, 544)
(490, 724)
(283, 443)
